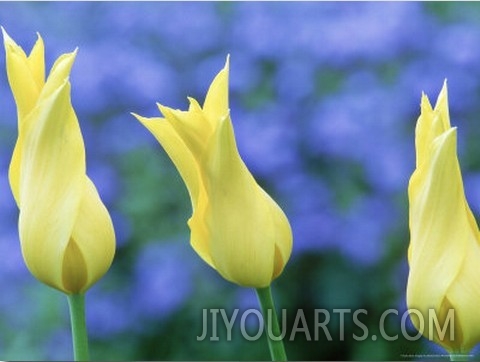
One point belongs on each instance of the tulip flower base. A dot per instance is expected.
(275, 343)
(76, 303)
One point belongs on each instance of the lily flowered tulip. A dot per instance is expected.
(66, 233)
(236, 227)
(444, 251)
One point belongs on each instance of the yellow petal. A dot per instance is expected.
(36, 62)
(463, 296)
(191, 126)
(249, 233)
(92, 241)
(66, 233)
(187, 166)
(236, 227)
(25, 74)
(435, 198)
(444, 251)
(431, 124)
(53, 159)
(441, 108)
(282, 235)
(74, 270)
(200, 238)
(423, 128)
(216, 102)
(176, 149)
(59, 73)
(14, 170)
(26, 77)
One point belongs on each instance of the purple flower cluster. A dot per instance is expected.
(324, 99)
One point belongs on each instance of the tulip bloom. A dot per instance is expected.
(66, 233)
(444, 252)
(236, 227)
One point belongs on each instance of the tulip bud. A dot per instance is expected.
(444, 251)
(236, 227)
(66, 233)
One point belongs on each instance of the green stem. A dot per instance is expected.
(275, 342)
(76, 302)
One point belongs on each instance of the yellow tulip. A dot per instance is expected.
(444, 251)
(66, 233)
(236, 227)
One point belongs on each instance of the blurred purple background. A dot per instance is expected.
(324, 98)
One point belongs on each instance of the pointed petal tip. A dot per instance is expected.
(227, 62)
(164, 110)
(425, 102)
(444, 90)
(139, 118)
(39, 37)
(72, 54)
(226, 68)
(7, 39)
(448, 141)
(451, 132)
(4, 32)
(145, 120)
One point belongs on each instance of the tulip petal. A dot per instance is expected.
(25, 74)
(465, 292)
(26, 77)
(431, 124)
(74, 271)
(423, 131)
(441, 107)
(53, 159)
(92, 241)
(190, 126)
(187, 166)
(434, 193)
(60, 71)
(66, 233)
(282, 236)
(36, 62)
(199, 238)
(240, 216)
(216, 102)
(444, 251)
(176, 149)
(21, 77)
(236, 227)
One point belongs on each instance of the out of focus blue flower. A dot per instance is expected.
(109, 314)
(278, 147)
(309, 206)
(364, 241)
(162, 279)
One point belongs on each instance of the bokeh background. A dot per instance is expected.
(324, 100)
